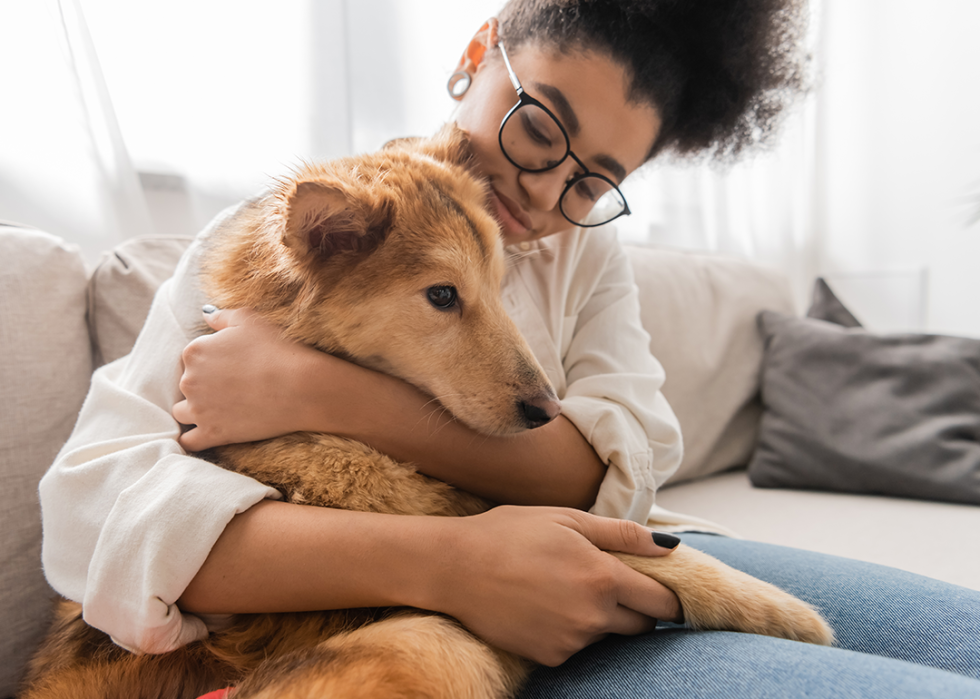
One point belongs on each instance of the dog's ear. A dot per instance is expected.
(323, 221)
(450, 145)
(406, 142)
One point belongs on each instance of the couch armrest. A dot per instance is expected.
(44, 376)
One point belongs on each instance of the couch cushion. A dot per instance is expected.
(928, 538)
(700, 311)
(44, 376)
(854, 411)
(122, 289)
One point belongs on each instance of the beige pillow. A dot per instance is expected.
(44, 376)
(700, 310)
(122, 289)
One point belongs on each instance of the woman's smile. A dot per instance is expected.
(514, 221)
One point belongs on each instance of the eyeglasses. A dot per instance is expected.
(533, 140)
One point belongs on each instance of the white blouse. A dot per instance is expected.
(129, 517)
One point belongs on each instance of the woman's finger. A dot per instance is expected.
(221, 318)
(182, 413)
(214, 317)
(196, 439)
(647, 596)
(629, 622)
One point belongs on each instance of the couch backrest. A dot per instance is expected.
(122, 288)
(700, 310)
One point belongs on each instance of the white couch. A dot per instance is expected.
(58, 319)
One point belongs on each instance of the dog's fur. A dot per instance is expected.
(344, 256)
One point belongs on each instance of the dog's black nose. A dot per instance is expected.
(539, 410)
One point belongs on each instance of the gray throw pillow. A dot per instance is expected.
(849, 410)
(824, 305)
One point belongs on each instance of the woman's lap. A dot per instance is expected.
(898, 635)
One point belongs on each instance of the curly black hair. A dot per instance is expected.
(719, 72)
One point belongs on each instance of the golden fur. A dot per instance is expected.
(343, 256)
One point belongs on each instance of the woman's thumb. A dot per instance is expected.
(214, 317)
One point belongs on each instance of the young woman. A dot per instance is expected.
(562, 100)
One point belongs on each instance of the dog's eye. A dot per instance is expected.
(442, 297)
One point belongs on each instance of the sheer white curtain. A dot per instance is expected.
(63, 164)
(214, 98)
(402, 52)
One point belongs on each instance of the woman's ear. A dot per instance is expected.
(472, 58)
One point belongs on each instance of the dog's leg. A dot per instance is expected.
(408, 655)
(716, 596)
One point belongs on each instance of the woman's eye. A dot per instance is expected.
(442, 297)
(534, 130)
(585, 190)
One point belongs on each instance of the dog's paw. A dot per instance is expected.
(716, 596)
(761, 608)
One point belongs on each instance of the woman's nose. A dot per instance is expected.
(544, 189)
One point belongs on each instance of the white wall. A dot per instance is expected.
(900, 154)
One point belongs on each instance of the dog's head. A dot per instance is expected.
(392, 261)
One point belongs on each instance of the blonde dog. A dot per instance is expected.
(378, 259)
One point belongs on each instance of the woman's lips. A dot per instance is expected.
(510, 215)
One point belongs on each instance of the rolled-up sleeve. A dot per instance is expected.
(129, 517)
(609, 383)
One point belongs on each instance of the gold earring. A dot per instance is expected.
(459, 83)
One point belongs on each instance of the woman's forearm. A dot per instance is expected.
(278, 557)
(550, 465)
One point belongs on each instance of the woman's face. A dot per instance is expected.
(587, 92)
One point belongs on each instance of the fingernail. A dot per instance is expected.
(667, 541)
(209, 309)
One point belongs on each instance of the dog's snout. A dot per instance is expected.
(539, 410)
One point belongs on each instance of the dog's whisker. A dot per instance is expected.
(441, 410)
(438, 409)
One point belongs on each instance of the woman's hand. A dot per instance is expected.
(536, 581)
(246, 382)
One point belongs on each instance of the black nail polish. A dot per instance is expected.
(667, 541)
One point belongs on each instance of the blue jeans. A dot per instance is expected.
(898, 635)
